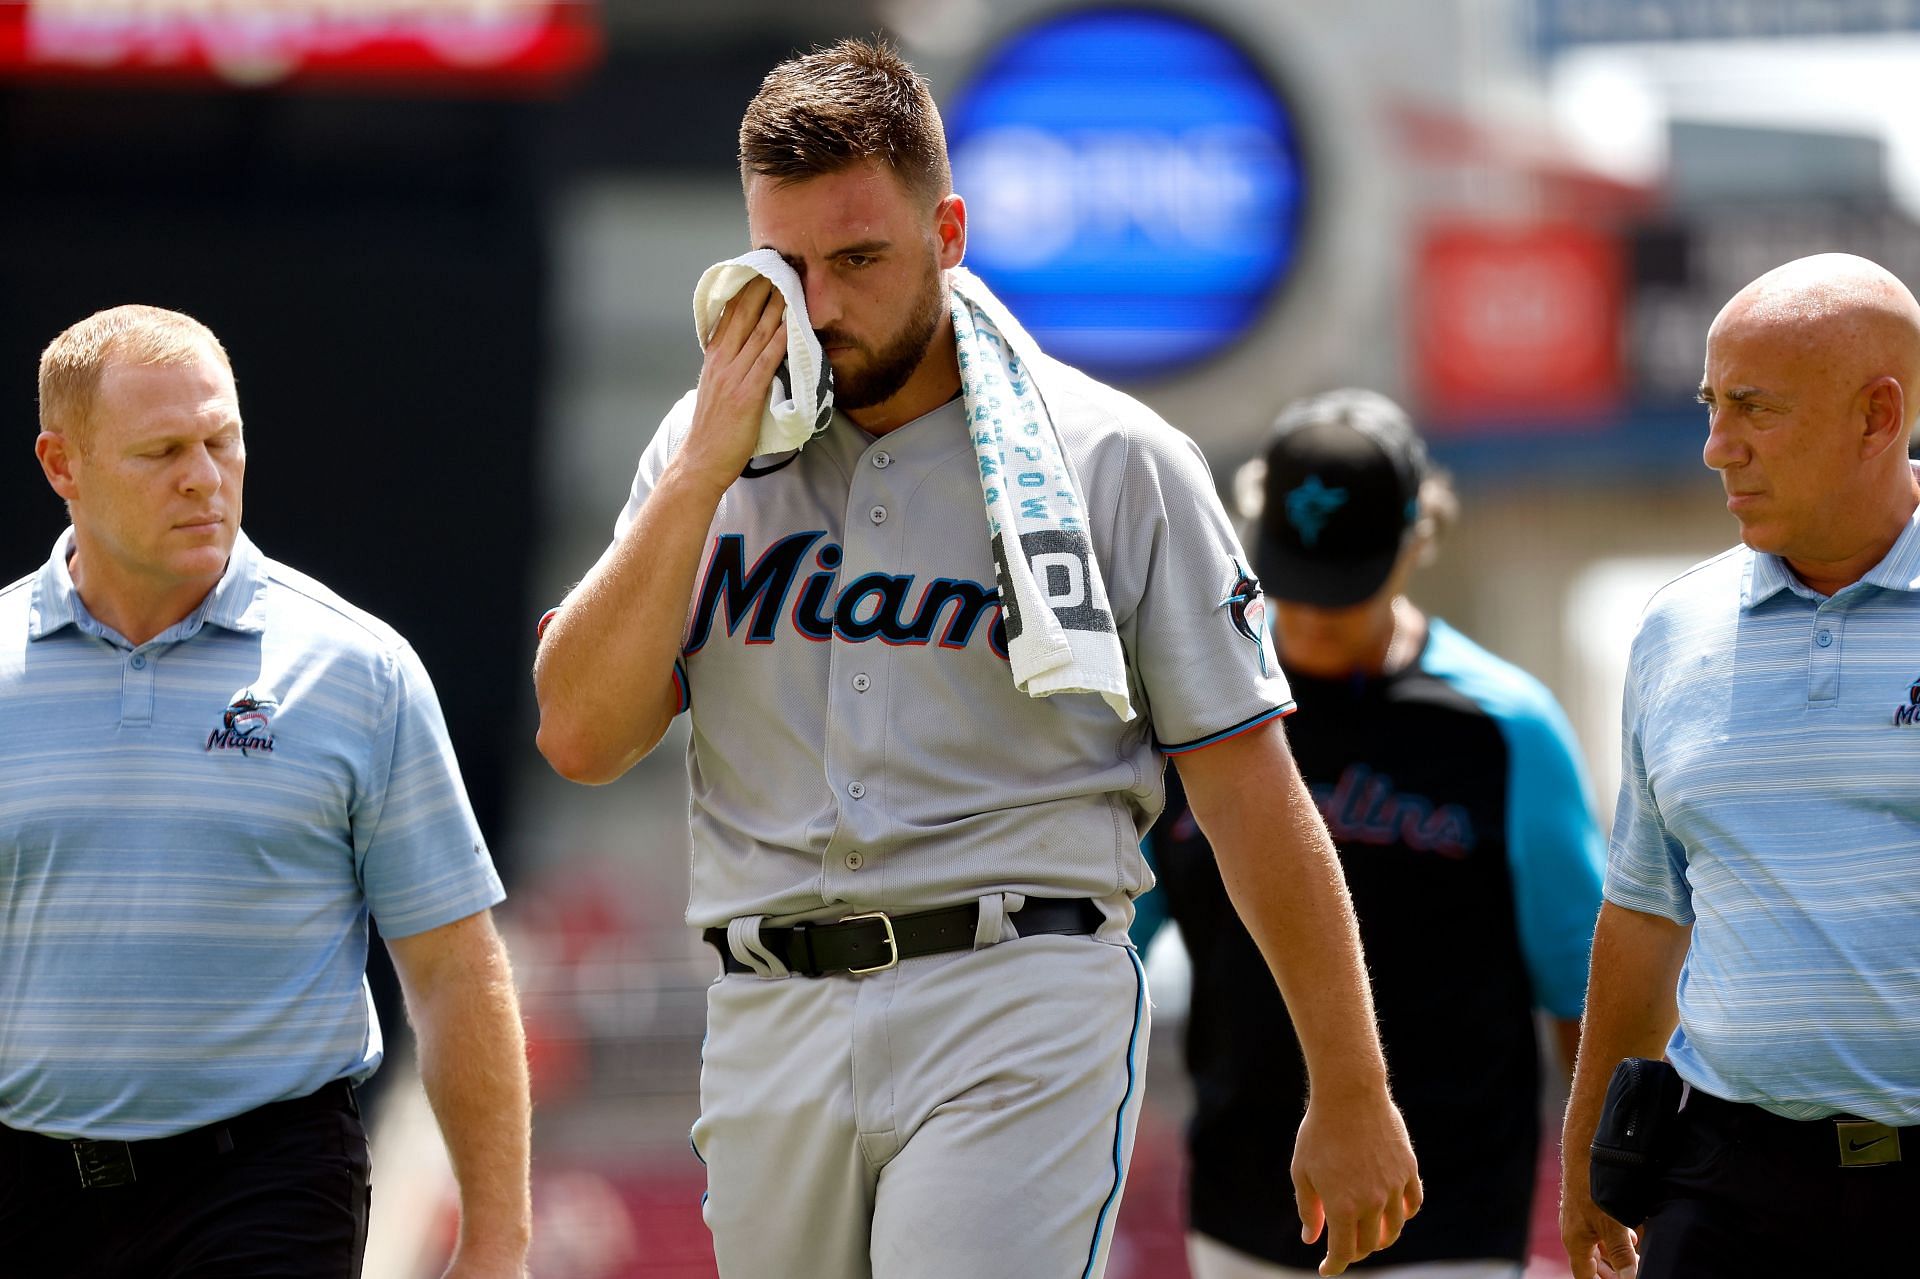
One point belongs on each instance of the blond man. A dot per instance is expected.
(213, 772)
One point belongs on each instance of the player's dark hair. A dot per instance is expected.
(836, 107)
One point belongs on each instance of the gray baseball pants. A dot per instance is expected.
(968, 1115)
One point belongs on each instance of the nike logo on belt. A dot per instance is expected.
(1854, 1147)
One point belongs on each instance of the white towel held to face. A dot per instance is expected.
(801, 402)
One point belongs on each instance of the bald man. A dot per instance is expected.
(1761, 924)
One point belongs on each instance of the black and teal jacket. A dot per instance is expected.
(1457, 801)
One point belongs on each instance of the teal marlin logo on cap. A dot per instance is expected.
(1310, 506)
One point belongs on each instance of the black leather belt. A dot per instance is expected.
(1845, 1140)
(875, 940)
(100, 1165)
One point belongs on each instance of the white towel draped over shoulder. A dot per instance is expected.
(1060, 631)
(801, 402)
(1061, 636)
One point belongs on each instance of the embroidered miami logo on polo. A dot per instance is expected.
(1909, 714)
(246, 725)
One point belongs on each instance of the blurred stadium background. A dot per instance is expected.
(450, 246)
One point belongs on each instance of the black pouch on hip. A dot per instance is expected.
(1633, 1143)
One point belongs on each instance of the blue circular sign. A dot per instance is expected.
(1135, 187)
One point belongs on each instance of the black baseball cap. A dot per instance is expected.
(1342, 493)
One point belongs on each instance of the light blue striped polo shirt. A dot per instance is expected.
(192, 832)
(1770, 796)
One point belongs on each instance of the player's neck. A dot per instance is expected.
(933, 382)
(1381, 637)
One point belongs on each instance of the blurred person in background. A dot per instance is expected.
(212, 771)
(1459, 807)
(1762, 920)
(923, 1058)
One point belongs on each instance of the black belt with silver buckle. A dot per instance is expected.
(873, 941)
(1861, 1143)
(102, 1165)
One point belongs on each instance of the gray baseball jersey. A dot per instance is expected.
(857, 739)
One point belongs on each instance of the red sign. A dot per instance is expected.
(1517, 324)
(514, 44)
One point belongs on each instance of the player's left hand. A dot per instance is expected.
(1354, 1175)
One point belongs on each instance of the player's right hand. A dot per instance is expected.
(742, 356)
(1598, 1247)
(1354, 1175)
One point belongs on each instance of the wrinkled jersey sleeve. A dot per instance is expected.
(653, 462)
(1200, 644)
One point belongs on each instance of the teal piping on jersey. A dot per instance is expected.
(1225, 733)
(1120, 1116)
(691, 1144)
(1554, 851)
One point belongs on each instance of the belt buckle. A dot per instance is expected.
(893, 946)
(1865, 1144)
(103, 1164)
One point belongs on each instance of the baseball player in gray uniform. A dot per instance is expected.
(924, 1055)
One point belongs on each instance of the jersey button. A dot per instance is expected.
(856, 789)
(878, 515)
(861, 683)
(139, 663)
(854, 861)
(883, 459)
(1823, 638)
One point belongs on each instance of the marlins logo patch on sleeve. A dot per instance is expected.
(1246, 607)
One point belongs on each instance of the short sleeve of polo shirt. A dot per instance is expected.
(1198, 639)
(421, 859)
(1646, 866)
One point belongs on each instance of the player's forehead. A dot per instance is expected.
(865, 203)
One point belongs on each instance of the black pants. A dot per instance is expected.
(1750, 1193)
(282, 1194)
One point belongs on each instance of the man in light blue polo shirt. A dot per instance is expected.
(1762, 916)
(212, 770)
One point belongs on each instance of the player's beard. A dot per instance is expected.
(880, 378)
